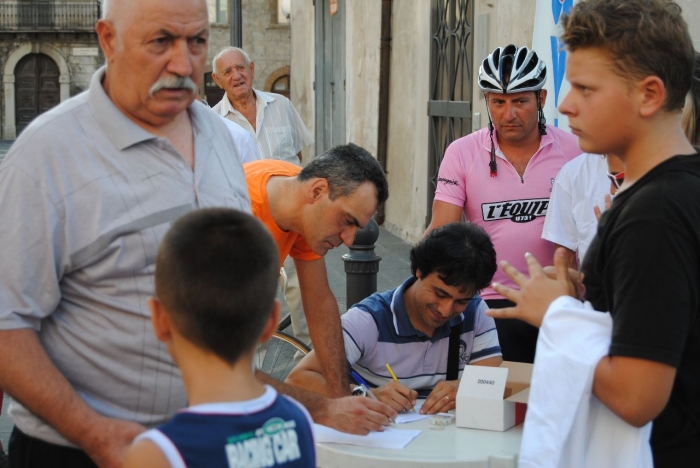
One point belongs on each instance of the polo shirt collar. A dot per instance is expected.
(121, 130)
(402, 324)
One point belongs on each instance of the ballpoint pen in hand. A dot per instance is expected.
(361, 381)
(393, 376)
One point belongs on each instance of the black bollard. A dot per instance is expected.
(362, 265)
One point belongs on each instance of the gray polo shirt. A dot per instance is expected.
(85, 197)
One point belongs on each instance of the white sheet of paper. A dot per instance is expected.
(390, 438)
(410, 416)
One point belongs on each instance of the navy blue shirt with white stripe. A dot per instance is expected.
(269, 431)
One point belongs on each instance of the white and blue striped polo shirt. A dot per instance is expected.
(378, 331)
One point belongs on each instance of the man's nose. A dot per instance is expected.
(348, 235)
(445, 307)
(565, 106)
(510, 111)
(180, 61)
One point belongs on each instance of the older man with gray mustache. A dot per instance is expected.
(86, 194)
(174, 82)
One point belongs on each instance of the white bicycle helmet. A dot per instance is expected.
(511, 69)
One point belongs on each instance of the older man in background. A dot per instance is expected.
(271, 118)
(279, 133)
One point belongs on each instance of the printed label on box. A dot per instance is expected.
(483, 382)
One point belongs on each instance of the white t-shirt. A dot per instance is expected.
(243, 141)
(580, 185)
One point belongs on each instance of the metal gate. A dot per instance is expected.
(451, 58)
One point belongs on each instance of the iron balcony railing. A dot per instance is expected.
(54, 16)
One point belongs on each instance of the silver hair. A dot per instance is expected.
(106, 4)
(245, 55)
(173, 82)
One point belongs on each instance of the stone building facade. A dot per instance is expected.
(49, 51)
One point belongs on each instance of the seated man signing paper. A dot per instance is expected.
(409, 327)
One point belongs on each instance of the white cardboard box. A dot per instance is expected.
(493, 398)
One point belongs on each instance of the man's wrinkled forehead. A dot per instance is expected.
(124, 13)
(231, 58)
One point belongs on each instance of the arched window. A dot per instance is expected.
(279, 81)
(281, 86)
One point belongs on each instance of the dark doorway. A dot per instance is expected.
(36, 88)
(212, 92)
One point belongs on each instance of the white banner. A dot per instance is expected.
(545, 41)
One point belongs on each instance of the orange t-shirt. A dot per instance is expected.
(257, 173)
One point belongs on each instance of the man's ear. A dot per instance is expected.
(316, 189)
(252, 69)
(217, 80)
(162, 326)
(543, 97)
(272, 321)
(107, 35)
(652, 95)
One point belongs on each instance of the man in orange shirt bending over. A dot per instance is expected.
(309, 211)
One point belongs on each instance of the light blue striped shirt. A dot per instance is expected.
(378, 331)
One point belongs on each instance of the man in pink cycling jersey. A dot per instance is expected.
(501, 177)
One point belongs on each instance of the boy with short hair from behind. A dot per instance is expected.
(216, 275)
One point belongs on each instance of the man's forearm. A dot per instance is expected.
(315, 403)
(29, 376)
(27, 373)
(321, 310)
(327, 337)
(309, 379)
